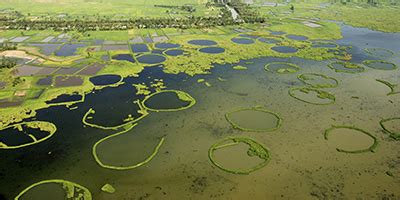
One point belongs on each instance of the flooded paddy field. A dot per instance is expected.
(264, 128)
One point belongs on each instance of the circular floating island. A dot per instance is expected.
(282, 67)
(111, 151)
(242, 40)
(168, 100)
(391, 126)
(316, 80)
(346, 67)
(312, 95)
(165, 45)
(212, 50)
(254, 119)
(379, 52)
(25, 134)
(55, 189)
(202, 42)
(380, 64)
(249, 36)
(350, 139)
(151, 59)
(250, 154)
(174, 52)
(284, 49)
(297, 37)
(107, 79)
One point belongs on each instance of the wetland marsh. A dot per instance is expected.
(253, 110)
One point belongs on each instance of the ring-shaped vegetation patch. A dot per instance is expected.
(379, 52)
(242, 40)
(380, 64)
(255, 119)
(255, 150)
(389, 126)
(371, 148)
(284, 49)
(55, 189)
(312, 95)
(168, 100)
(166, 45)
(346, 67)
(66, 99)
(25, 134)
(316, 80)
(393, 87)
(126, 122)
(151, 59)
(282, 67)
(103, 164)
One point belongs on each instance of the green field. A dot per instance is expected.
(136, 8)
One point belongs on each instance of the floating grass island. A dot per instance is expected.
(25, 134)
(168, 100)
(371, 148)
(255, 119)
(316, 80)
(319, 97)
(103, 164)
(56, 189)
(389, 125)
(255, 149)
(346, 67)
(379, 52)
(282, 67)
(380, 64)
(393, 87)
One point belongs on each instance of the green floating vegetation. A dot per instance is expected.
(255, 149)
(107, 166)
(282, 67)
(186, 101)
(255, 119)
(128, 121)
(316, 80)
(320, 94)
(43, 126)
(346, 67)
(70, 190)
(372, 148)
(380, 64)
(108, 188)
(239, 67)
(395, 135)
(379, 52)
(391, 86)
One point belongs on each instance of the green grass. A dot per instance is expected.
(138, 8)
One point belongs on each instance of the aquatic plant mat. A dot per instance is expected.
(380, 64)
(379, 52)
(127, 149)
(253, 155)
(312, 95)
(350, 139)
(318, 80)
(256, 119)
(55, 189)
(168, 100)
(346, 67)
(25, 134)
(282, 67)
(391, 126)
